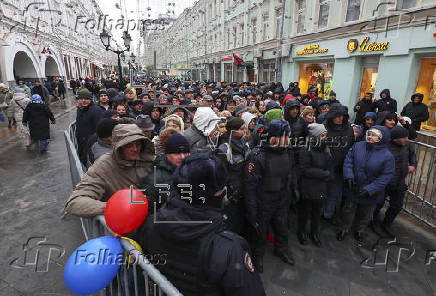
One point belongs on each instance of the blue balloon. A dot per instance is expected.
(93, 265)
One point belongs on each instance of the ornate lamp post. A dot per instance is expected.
(105, 38)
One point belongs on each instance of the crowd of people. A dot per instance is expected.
(242, 157)
(27, 108)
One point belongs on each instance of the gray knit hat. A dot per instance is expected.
(316, 129)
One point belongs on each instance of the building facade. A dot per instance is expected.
(356, 46)
(51, 38)
(349, 46)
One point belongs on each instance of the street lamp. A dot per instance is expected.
(106, 37)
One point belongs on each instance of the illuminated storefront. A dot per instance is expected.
(427, 86)
(319, 76)
(369, 75)
(368, 63)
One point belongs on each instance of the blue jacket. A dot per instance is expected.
(372, 167)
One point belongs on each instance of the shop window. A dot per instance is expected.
(239, 74)
(228, 72)
(268, 71)
(427, 86)
(323, 18)
(369, 75)
(318, 77)
(353, 10)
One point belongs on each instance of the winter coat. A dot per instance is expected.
(340, 138)
(203, 124)
(371, 167)
(404, 157)
(381, 116)
(26, 89)
(161, 175)
(298, 125)
(315, 171)
(19, 104)
(417, 112)
(365, 106)
(87, 119)
(5, 99)
(36, 115)
(43, 92)
(387, 104)
(200, 258)
(98, 149)
(111, 173)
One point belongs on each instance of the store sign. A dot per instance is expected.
(365, 45)
(46, 50)
(311, 49)
(227, 59)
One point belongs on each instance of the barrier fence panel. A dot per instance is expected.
(139, 278)
(421, 195)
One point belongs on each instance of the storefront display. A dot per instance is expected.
(318, 76)
(369, 75)
(427, 86)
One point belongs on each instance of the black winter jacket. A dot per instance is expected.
(387, 104)
(404, 157)
(37, 115)
(315, 172)
(364, 107)
(340, 138)
(86, 124)
(417, 112)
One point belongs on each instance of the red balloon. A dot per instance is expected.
(126, 210)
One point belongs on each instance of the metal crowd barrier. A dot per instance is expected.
(420, 199)
(140, 278)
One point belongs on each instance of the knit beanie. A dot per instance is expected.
(315, 129)
(105, 127)
(234, 123)
(177, 144)
(399, 132)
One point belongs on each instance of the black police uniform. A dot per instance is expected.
(267, 196)
(199, 258)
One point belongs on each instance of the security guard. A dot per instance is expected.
(202, 258)
(267, 194)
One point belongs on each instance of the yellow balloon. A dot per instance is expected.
(135, 245)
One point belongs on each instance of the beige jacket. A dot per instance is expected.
(111, 173)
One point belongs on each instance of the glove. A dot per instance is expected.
(364, 194)
(350, 183)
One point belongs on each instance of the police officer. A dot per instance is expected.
(201, 257)
(266, 192)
